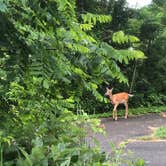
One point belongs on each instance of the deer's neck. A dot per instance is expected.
(111, 97)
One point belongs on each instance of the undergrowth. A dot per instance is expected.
(132, 112)
(160, 132)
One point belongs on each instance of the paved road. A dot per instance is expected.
(154, 153)
(117, 131)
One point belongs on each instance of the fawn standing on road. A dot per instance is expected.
(116, 99)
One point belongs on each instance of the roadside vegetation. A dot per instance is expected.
(132, 112)
(160, 132)
(157, 134)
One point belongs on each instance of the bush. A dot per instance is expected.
(160, 132)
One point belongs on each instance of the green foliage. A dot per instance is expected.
(119, 157)
(160, 132)
(3, 6)
(140, 162)
(120, 37)
(48, 63)
(67, 151)
(57, 57)
(86, 27)
(93, 18)
(148, 23)
(132, 111)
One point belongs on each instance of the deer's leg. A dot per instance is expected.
(126, 113)
(115, 112)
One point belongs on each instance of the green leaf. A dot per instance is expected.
(28, 159)
(86, 27)
(46, 84)
(3, 6)
(120, 38)
(93, 18)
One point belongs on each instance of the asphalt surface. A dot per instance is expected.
(154, 153)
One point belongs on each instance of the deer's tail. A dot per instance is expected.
(130, 95)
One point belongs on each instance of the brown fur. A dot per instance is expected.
(116, 99)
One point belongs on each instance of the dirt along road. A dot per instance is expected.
(154, 152)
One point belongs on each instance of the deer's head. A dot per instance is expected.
(108, 92)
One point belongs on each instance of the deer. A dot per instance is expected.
(116, 99)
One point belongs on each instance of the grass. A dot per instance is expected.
(132, 112)
(160, 132)
(158, 135)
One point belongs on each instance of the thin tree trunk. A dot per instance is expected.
(133, 77)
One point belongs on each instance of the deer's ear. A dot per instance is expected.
(111, 89)
(107, 88)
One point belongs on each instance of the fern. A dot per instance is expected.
(86, 27)
(121, 55)
(40, 66)
(66, 8)
(77, 48)
(120, 38)
(93, 18)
